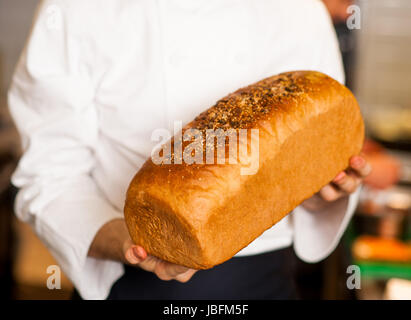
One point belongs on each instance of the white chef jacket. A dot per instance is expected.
(96, 78)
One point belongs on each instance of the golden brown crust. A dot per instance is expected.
(200, 215)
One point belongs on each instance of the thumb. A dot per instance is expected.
(133, 254)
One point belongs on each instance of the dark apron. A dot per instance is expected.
(263, 276)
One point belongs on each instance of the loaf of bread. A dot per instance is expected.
(201, 214)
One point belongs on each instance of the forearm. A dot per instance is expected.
(113, 242)
(109, 241)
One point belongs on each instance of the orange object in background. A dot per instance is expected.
(381, 249)
(30, 268)
(385, 168)
(338, 9)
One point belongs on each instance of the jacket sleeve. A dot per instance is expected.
(51, 102)
(317, 234)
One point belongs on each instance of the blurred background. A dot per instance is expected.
(378, 70)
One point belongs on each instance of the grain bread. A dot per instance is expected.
(200, 215)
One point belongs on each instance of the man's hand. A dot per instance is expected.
(136, 255)
(113, 242)
(345, 183)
